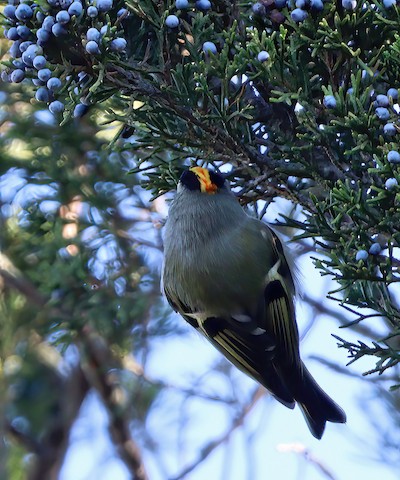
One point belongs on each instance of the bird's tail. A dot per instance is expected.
(317, 407)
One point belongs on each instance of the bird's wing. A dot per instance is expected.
(181, 309)
(279, 316)
(252, 351)
(249, 348)
(238, 338)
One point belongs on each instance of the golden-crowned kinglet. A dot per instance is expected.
(226, 274)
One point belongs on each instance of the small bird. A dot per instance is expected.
(226, 273)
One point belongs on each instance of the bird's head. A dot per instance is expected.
(199, 179)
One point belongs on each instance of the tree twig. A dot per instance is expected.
(302, 450)
(100, 361)
(212, 445)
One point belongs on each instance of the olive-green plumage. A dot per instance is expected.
(226, 273)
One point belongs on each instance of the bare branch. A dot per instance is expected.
(101, 360)
(302, 450)
(212, 445)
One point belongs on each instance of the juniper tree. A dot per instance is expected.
(294, 101)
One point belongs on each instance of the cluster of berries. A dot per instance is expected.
(173, 21)
(54, 42)
(299, 9)
(386, 110)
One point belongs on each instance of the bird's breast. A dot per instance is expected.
(220, 273)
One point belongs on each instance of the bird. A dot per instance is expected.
(228, 275)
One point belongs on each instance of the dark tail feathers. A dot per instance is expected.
(317, 407)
